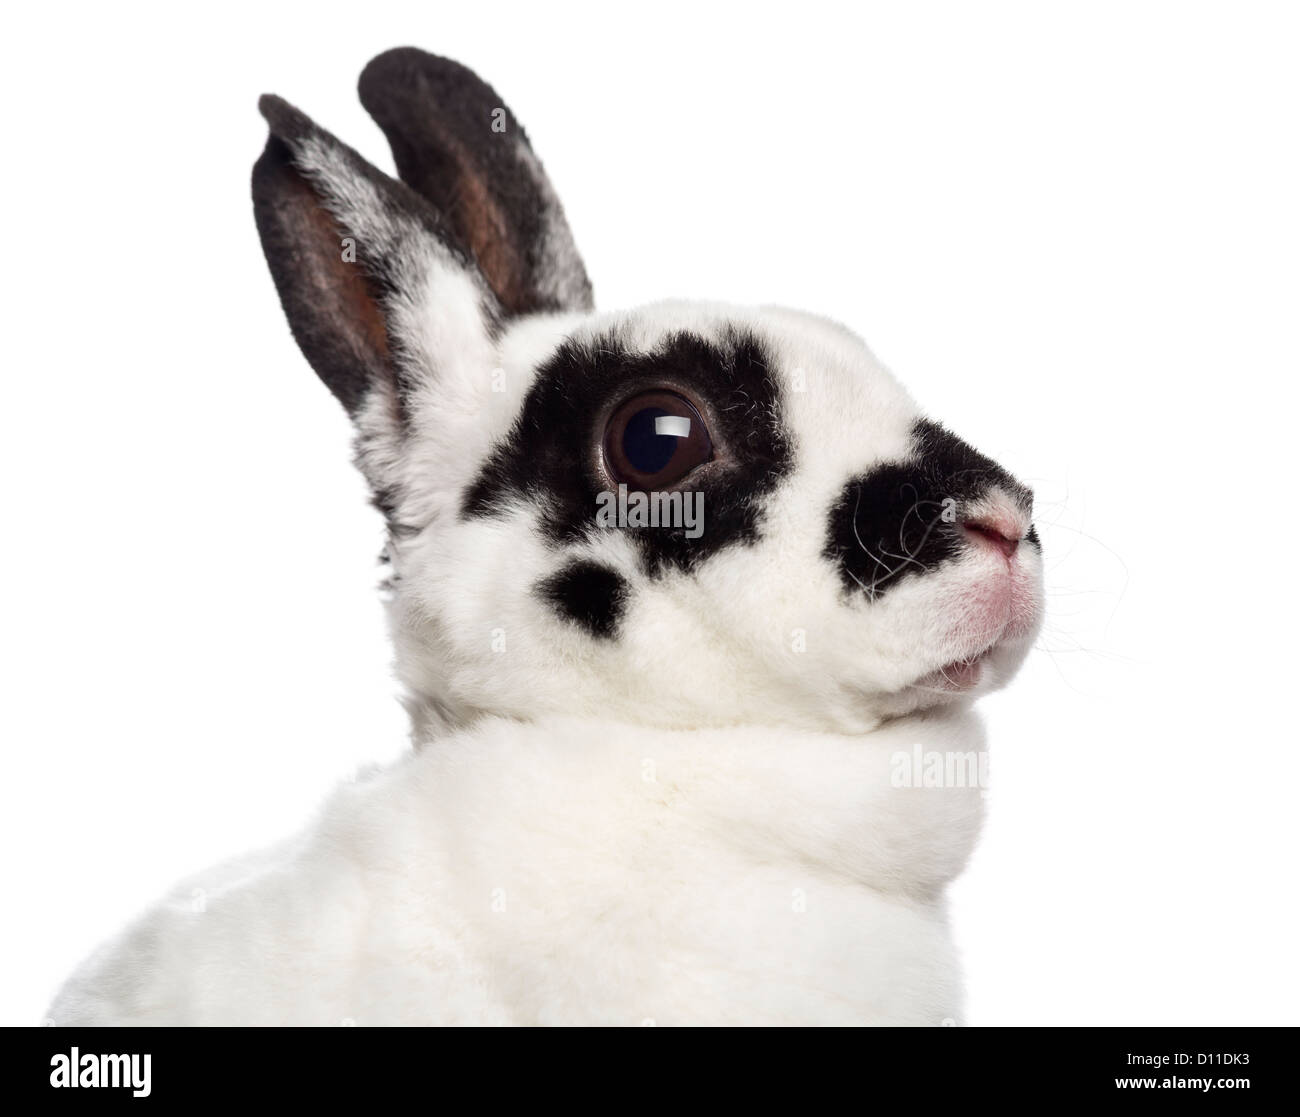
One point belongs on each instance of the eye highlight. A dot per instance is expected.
(655, 439)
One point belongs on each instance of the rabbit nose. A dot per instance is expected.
(998, 524)
(983, 533)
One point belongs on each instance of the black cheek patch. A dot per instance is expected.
(588, 593)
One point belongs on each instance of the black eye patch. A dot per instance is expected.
(548, 455)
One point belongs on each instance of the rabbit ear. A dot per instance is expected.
(353, 253)
(457, 145)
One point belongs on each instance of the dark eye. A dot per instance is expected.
(654, 440)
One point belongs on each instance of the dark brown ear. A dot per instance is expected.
(345, 243)
(456, 144)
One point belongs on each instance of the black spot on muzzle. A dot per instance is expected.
(903, 519)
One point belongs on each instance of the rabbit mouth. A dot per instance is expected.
(959, 676)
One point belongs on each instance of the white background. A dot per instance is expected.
(1072, 231)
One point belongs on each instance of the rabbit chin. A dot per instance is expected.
(993, 610)
(959, 681)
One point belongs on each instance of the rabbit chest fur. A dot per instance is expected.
(618, 876)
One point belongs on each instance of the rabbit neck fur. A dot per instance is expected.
(581, 872)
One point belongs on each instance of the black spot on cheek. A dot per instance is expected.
(1032, 537)
(586, 592)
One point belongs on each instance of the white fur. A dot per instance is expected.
(578, 872)
(694, 822)
(712, 648)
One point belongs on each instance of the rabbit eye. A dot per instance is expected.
(655, 439)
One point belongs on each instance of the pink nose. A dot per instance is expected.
(1001, 532)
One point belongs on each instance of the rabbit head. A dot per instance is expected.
(680, 515)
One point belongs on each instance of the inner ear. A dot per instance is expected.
(470, 184)
(456, 144)
(484, 226)
(333, 306)
(342, 282)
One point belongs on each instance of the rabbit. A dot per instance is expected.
(662, 772)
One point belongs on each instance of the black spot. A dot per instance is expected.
(904, 518)
(590, 594)
(1031, 536)
(548, 455)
